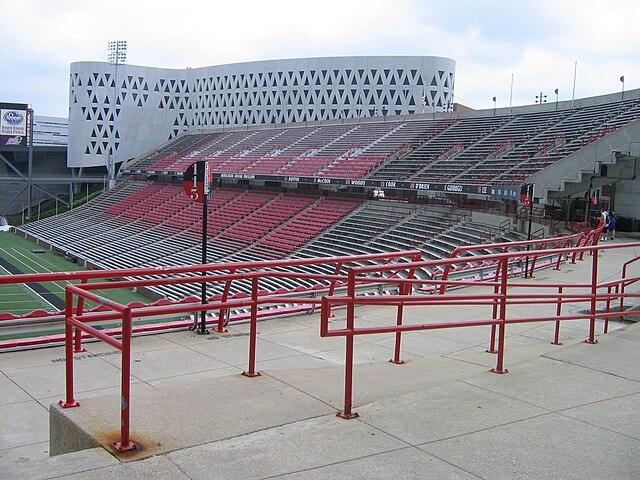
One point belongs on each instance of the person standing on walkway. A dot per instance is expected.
(604, 219)
(611, 227)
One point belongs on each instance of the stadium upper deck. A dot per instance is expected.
(488, 149)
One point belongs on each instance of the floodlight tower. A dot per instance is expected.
(117, 55)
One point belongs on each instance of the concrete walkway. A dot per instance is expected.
(562, 412)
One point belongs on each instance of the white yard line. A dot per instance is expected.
(37, 295)
(33, 270)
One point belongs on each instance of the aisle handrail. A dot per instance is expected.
(499, 299)
(77, 320)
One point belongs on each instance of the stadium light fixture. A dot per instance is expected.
(541, 98)
(556, 92)
(622, 92)
(117, 55)
(117, 51)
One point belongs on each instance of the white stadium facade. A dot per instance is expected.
(131, 109)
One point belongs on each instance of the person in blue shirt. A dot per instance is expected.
(611, 225)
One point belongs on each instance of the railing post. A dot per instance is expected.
(494, 312)
(78, 337)
(332, 285)
(348, 364)
(560, 257)
(556, 337)
(224, 311)
(125, 442)
(581, 241)
(253, 330)
(503, 317)
(594, 293)
(69, 401)
(534, 260)
(623, 284)
(399, 315)
(607, 309)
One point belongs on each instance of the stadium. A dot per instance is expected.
(343, 181)
(267, 190)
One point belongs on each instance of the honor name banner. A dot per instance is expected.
(13, 124)
(391, 184)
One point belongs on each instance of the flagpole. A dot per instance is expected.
(575, 71)
(622, 93)
(511, 94)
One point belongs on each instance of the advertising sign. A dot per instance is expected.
(13, 124)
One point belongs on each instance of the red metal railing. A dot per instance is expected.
(77, 320)
(624, 284)
(548, 244)
(393, 272)
(85, 276)
(503, 292)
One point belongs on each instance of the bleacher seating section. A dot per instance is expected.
(498, 149)
(141, 223)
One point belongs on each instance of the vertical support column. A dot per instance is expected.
(69, 401)
(125, 442)
(254, 330)
(349, 340)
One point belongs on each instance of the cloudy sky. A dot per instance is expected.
(536, 42)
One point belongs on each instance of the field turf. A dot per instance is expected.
(23, 255)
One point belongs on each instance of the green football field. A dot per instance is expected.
(20, 299)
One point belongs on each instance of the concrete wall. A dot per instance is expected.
(627, 198)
